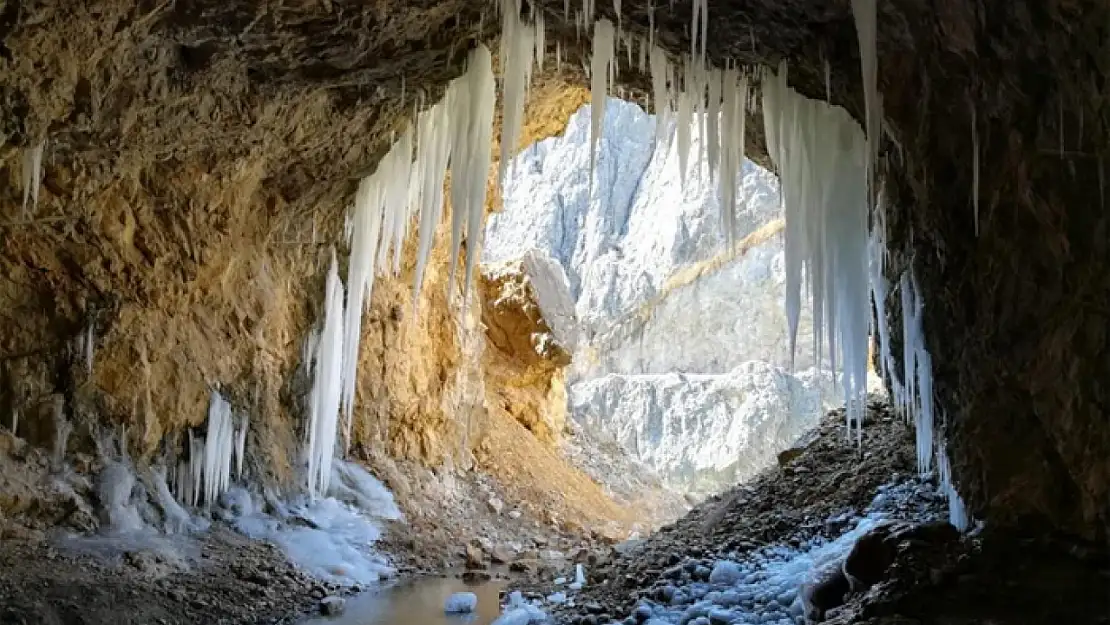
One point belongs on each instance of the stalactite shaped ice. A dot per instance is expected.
(713, 113)
(432, 152)
(518, 43)
(241, 446)
(600, 68)
(866, 17)
(957, 509)
(539, 27)
(365, 231)
(324, 399)
(661, 95)
(685, 118)
(479, 88)
(733, 118)
(821, 154)
(32, 177)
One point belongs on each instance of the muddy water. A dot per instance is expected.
(417, 602)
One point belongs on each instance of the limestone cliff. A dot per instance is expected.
(679, 342)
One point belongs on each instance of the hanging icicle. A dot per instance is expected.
(820, 152)
(600, 68)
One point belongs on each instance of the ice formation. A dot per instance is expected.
(324, 399)
(206, 473)
(866, 17)
(32, 176)
(821, 154)
(600, 68)
(461, 603)
(114, 490)
(518, 50)
(329, 537)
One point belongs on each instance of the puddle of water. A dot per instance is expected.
(417, 602)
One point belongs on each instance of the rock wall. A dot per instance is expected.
(680, 340)
(701, 432)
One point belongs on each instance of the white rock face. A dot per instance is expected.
(619, 247)
(655, 293)
(702, 431)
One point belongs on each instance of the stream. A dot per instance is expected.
(417, 602)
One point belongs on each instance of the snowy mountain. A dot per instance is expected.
(680, 342)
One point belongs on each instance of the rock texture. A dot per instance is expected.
(190, 144)
(524, 360)
(703, 431)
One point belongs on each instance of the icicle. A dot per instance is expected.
(713, 112)
(540, 38)
(519, 40)
(617, 12)
(975, 167)
(558, 56)
(32, 177)
(828, 82)
(328, 363)
(641, 55)
(732, 148)
(217, 449)
(366, 227)
(685, 120)
(660, 70)
(241, 446)
(957, 510)
(482, 93)
(821, 155)
(90, 346)
(600, 64)
(866, 18)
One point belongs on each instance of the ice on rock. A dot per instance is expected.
(331, 538)
(523, 614)
(557, 598)
(461, 603)
(725, 573)
(116, 482)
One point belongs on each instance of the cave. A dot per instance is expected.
(179, 174)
